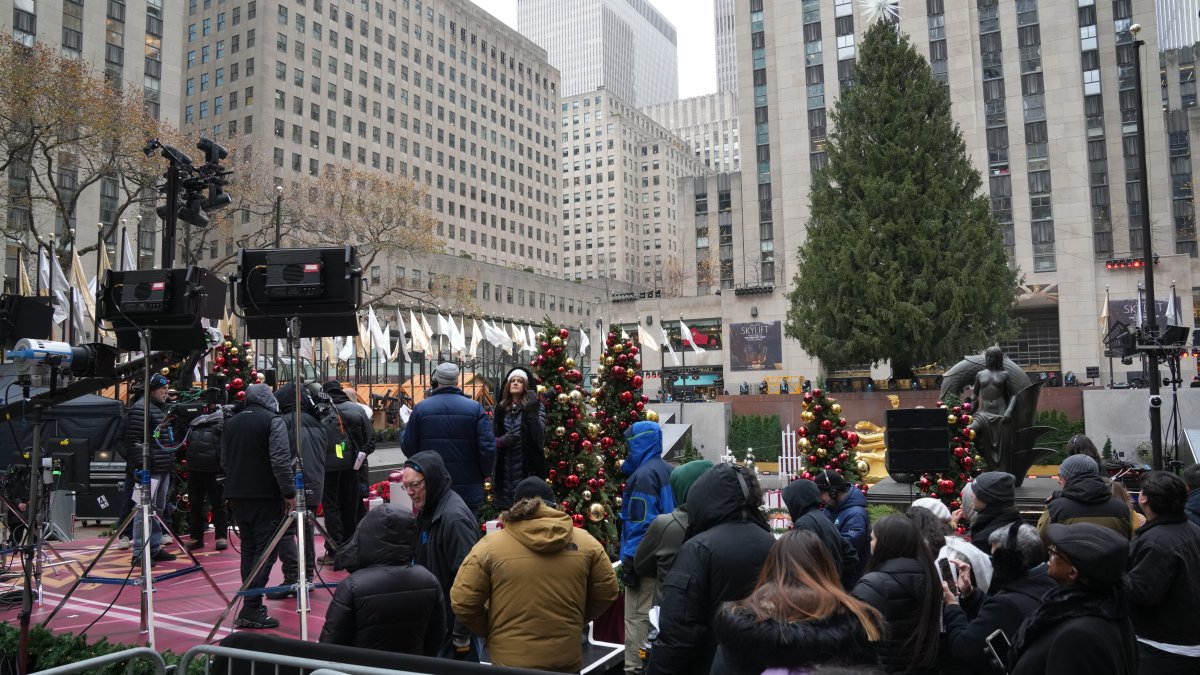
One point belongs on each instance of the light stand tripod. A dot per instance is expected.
(33, 530)
(146, 511)
(298, 514)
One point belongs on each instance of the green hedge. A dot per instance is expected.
(50, 650)
(760, 432)
(1064, 429)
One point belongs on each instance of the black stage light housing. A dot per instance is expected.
(320, 286)
(23, 316)
(170, 303)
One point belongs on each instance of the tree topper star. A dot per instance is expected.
(880, 10)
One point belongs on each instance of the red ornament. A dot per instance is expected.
(241, 396)
(566, 507)
(564, 333)
(841, 421)
(817, 393)
(577, 519)
(633, 350)
(562, 465)
(826, 425)
(574, 437)
(605, 441)
(821, 439)
(967, 407)
(626, 397)
(639, 405)
(572, 481)
(637, 381)
(553, 473)
(561, 369)
(237, 383)
(623, 425)
(586, 445)
(592, 484)
(803, 431)
(220, 360)
(600, 481)
(808, 397)
(818, 409)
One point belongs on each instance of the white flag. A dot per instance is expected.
(345, 348)
(79, 286)
(128, 260)
(667, 343)
(686, 335)
(419, 342)
(1104, 314)
(518, 335)
(506, 341)
(458, 342)
(1173, 314)
(493, 336)
(428, 334)
(476, 338)
(624, 335)
(401, 346)
(530, 339)
(381, 342)
(646, 339)
(584, 343)
(60, 285)
(1140, 311)
(306, 349)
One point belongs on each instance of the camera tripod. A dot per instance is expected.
(299, 515)
(146, 510)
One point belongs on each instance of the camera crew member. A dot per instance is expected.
(162, 462)
(205, 479)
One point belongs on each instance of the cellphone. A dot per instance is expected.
(947, 573)
(998, 645)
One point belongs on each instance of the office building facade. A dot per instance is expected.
(709, 124)
(725, 38)
(625, 46)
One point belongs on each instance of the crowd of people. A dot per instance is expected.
(1101, 583)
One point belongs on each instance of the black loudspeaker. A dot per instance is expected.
(918, 440)
(22, 316)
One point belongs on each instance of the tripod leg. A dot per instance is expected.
(170, 533)
(88, 570)
(258, 566)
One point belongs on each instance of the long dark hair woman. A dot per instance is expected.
(902, 584)
(797, 616)
(520, 430)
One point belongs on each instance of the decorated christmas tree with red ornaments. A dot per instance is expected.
(964, 464)
(618, 398)
(825, 441)
(233, 366)
(575, 446)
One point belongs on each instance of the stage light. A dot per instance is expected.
(320, 286)
(170, 303)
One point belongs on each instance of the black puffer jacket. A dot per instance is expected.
(518, 458)
(897, 588)
(161, 461)
(387, 603)
(312, 438)
(748, 647)
(204, 442)
(448, 530)
(803, 501)
(990, 520)
(1087, 499)
(728, 540)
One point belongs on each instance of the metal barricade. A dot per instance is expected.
(273, 662)
(126, 655)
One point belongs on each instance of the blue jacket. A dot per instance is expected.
(647, 488)
(455, 427)
(1193, 506)
(850, 518)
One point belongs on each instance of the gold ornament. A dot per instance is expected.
(576, 395)
(556, 341)
(550, 482)
(951, 419)
(570, 363)
(487, 487)
(863, 467)
(651, 415)
(804, 444)
(618, 502)
(617, 349)
(560, 431)
(541, 389)
(978, 459)
(165, 372)
(804, 405)
(592, 402)
(233, 351)
(587, 494)
(822, 452)
(563, 398)
(599, 460)
(970, 419)
(489, 499)
(630, 373)
(807, 417)
(596, 513)
(836, 408)
(608, 360)
(593, 430)
(971, 434)
(579, 467)
(541, 337)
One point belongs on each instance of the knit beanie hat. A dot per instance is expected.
(934, 506)
(1077, 466)
(683, 476)
(446, 374)
(533, 487)
(996, 489)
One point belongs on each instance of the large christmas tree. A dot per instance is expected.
(574, 444)
(901, 245)
(618, 397)
(964, 464)
(825, 441)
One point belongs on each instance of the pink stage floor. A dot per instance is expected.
(185, 607)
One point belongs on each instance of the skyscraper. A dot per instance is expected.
(708, 124)
(726, 40)
(625, 46)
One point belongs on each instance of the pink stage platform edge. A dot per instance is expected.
(185, 607)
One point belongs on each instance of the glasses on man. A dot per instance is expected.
(413, 486)
(1055, 552)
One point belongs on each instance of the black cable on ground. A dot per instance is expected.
(116, 597)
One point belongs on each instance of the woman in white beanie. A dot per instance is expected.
(520, 433)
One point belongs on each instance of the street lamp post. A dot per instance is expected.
(1147, 255)
(278, 214)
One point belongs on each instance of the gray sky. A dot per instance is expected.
(693, 20)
